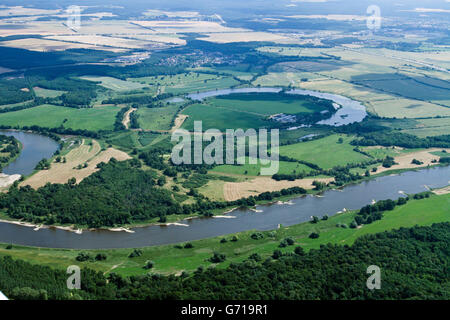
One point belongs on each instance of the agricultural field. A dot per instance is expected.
(114, 84)
(382, 80)
(230, 37)
(45, 45)
(184, 26)
(325, 152)
(221, 118)
(274, 79)
(185, 83)
(125, 140)
(429, 127)
(252, 187)
(233, 71)
(247, 110)
(266, 104)
(50, 116)
(170, 260)
(254, 170)
(401, 108)
(293, 51)
(80, 162)
(379, 152)
(46, 93)
(157, 119)
(405, 161)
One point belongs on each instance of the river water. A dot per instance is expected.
(301, 209)
(268, 217)
(35, 147)
(350, 110)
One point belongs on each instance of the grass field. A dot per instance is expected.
(190, 82)
(169, 259)
(221, 118)
(326, 152)
(157, 118)
(99, 118)
(114, 84)
(379, 152)
(286, 78)
(266, 104)
(255, 169)
(382, 79)
(429, 127)
(246, 110)
(124, 140)
(46, 93)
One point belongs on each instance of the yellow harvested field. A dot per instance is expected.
(62, 172)
(101, 41)
(186, 26)
(164, 38)
(172, 14)
(111, 27)
(43, 45)
(237, 190)
(404, 161)
(229, 37)
(400, 108)
(438, 58)
(335, 17)
(42, 28)
(21, 11)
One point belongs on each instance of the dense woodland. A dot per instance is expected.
(117, 194)
(413, 261)
(120, 193)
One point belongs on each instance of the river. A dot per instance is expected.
(35, 147)
(301, 209)
(350, 110)
(267, 217)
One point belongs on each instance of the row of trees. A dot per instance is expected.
(413, 263)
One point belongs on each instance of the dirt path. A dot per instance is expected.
(179, 120)
(237, 190)
(126, 118)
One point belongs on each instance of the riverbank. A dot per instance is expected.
(170, 259)
(187, 220)
(7, 180)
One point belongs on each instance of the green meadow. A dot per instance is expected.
(157, 118)
(266, 104)
(114, 84)
(185, 82)
(326, 152)
(255, 169)
(46, 93)
(50, 116)
(221, 118)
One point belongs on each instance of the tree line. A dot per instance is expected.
(413, 263)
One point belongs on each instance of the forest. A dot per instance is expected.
(117, 194)
(413, 263)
